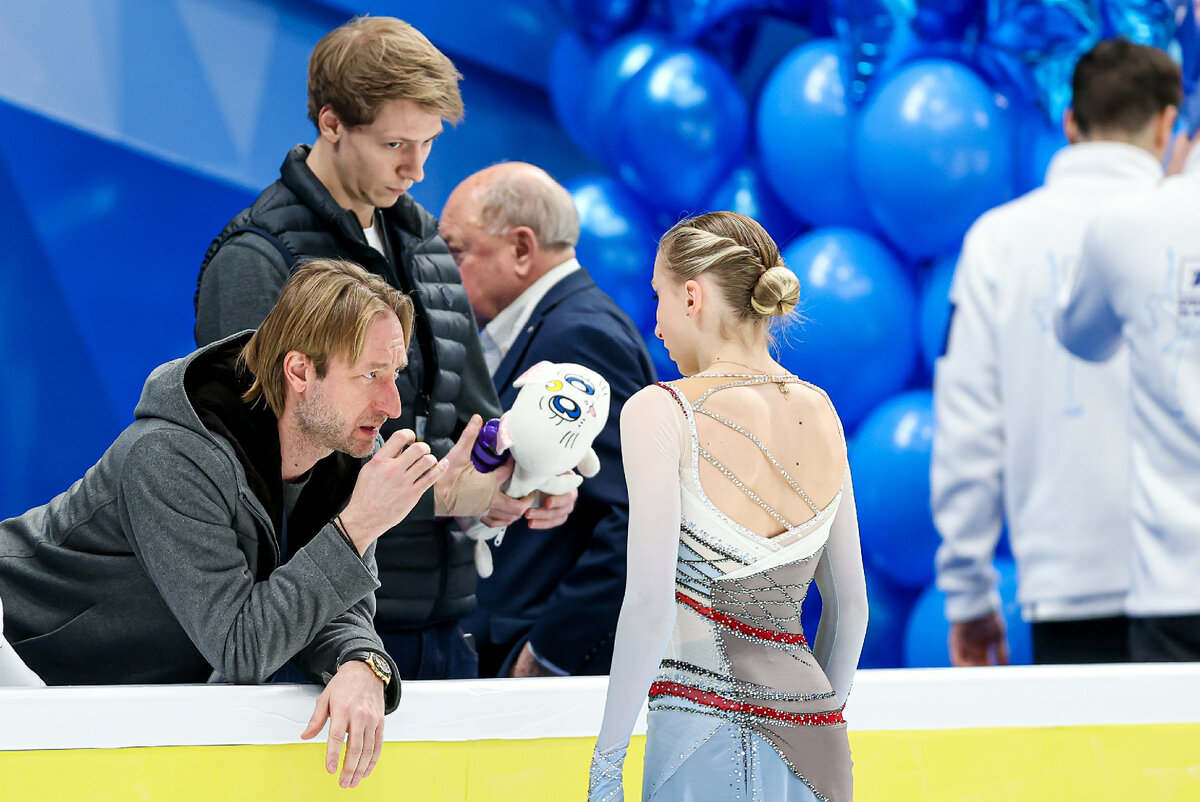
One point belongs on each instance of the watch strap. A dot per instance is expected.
(375, 661)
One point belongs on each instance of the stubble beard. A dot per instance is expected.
(325, 428)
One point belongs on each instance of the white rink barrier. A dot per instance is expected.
(1019, 733)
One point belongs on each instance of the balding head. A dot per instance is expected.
(507, 225)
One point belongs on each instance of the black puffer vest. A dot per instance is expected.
(426, 566)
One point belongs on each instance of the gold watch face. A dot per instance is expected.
(380, 667)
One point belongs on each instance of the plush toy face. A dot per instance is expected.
(558, 413)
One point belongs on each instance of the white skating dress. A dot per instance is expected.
(740, 706)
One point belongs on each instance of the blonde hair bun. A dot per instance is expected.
(776, 293)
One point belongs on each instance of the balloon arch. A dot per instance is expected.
(870, 145)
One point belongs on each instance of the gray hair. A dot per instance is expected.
(524, 198)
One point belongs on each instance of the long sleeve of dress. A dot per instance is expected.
(650, 440)
(839, 577)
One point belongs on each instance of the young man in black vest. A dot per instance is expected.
(378, 93)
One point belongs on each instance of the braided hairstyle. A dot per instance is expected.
(741, 256)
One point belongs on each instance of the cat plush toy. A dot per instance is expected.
(560, 410)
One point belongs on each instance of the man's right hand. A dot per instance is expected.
(978, 643)
(388, 487)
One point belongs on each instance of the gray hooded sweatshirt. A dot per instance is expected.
(163, 562)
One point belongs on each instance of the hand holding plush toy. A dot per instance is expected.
(561, 409)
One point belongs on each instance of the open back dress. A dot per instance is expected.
(725, 540)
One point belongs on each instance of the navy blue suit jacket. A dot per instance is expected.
(561, 588)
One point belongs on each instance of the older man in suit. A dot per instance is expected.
(550, 607)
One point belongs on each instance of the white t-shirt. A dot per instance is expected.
(374, 239)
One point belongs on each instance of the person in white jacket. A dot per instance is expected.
(1138, 289)
(1027, 434)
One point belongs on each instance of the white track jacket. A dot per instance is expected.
(1025, 432)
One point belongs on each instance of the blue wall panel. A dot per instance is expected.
(54, 413)
(512, 37)
(217, 85)
(102, 250)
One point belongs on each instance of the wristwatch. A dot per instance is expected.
(375, 661)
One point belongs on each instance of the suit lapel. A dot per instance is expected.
(514, 361)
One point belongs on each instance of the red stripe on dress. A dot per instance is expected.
(707, 699)
(794, 638)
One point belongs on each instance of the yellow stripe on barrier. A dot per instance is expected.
(1158, 762)
(469, 771)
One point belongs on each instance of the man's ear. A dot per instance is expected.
(1071, 128)
(298, 371)
(1164, 126)
(525, 243)
(329, 125)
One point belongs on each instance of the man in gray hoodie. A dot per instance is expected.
(232, 525)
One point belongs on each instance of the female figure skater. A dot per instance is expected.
(739, 495)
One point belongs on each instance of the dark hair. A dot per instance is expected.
(1119, 87)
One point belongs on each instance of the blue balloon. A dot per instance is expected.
(571, 63)
(614, 69)
(875, 36)
(934, 152)
(1038, 139)
(1020, 632)
(1031, 46)
(679, 128)
(927, 636)
(805, 127)
(616, 244)
(858, 341)
(890, 606)
(691, 19)
(879, 35)
(601, 21)
(814, 15)
(748, 193)
(1188, 37)
(889, 458)
(935, 309)
(1146, 22)
(954, 20)
(730, 41)
(810, 614)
